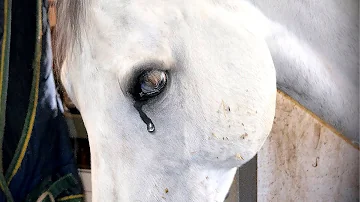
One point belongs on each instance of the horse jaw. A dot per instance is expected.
(215, 114)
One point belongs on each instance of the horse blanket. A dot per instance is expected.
(36, 158)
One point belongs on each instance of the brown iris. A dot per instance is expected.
(149, 84)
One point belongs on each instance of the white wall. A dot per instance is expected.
(85, 176)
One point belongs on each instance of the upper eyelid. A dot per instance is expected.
(148, 65)
(136, 70)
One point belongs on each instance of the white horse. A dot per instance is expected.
(176, 94)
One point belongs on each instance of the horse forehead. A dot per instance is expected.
(130, 13)
(138, 30)
(144, 17)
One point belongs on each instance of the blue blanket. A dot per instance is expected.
(36, 157)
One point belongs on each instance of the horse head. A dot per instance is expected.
(174, 95)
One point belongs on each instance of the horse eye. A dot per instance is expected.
(149, 84)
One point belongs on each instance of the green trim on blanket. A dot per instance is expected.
(4, 75)
(4, 70)
(58, 187)
(72, 198)
(34, 194)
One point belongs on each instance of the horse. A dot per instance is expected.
(175, 95)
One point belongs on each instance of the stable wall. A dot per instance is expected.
(305, 160)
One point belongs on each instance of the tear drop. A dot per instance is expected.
(149, 124)
(150, 127)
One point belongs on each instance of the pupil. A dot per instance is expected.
(150, 84)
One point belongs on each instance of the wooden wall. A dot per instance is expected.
(306, 160)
